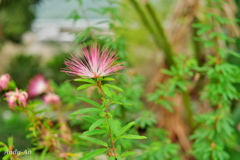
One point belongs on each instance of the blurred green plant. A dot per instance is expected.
(23, 67)
(16, 18)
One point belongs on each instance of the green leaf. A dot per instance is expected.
(114, 87)
(86, 80)
(113, 126)
(94, 132)
(10, 141)
(108, 79)
(130, 136)
(126, 128)
(90, 119)
(93, 154)
(119, 158)
(118, 149)
(85, 110)
(94, 140)
(112, 158)
(84, 86)
(90, 101)
(106, 91)
(125, 154)
(96, 124)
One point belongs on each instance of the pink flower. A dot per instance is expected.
(4, 80)
(94, 63)
(16, 98)
(37, 86)
(51, 98)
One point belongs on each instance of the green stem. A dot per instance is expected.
(159, 38)
(113, 149)
(165, 42)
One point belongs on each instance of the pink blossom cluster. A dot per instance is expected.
(4, 81)
(39, 86)
(16, 98)
(94, 63)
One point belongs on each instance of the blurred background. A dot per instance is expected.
(37, 35)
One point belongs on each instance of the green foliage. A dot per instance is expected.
(53, 66)
(23, 67)
(16, 18)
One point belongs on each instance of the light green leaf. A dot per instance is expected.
(90, 101)
(114, 87)
(85, 110)
(94, 132)
(119, 158)
(125, 154)
(130, 136)
(113, 126)
(126, 128)
(86, 80)
(96, 124)
(108, 79)
(106, 91)
(93, 154)
(94, 140)
(84, 86)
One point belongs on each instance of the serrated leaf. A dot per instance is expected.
(130, 136)
(96, 124)
(94, 140)
(125, 154)
(126, 128)
(86, 80)
(84, 86)
(113, 126)
(106, 91)
(108, 79)
(85, 110)
(93, 154)
(90, 119)
(114, 87)
(94, 132)
(90, 101)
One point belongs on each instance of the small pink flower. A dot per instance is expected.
(4, 80)
(16, 98)
(94, 63)
(37, 86)
(51, 98)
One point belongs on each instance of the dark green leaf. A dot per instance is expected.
(126, 128)
(114, 87)
(106, 91)
(113, 126)
(90, 101)
(130, 136)
(93, 154)
(88, 80)
(96, 124)
(85, 110)
(94, 140)
(84, 86)
(125, 154)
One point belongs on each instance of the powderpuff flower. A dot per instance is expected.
(94, 63)
(17, 98)
(51, 98)
(4, 80)
(37, 86)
